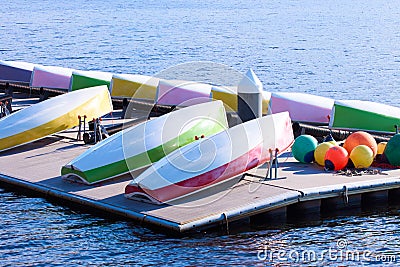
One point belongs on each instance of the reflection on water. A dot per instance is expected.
(56, 234)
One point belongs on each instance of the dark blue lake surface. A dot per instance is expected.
(339, 49)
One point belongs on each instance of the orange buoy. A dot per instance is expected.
(360, 138)
(336, 158)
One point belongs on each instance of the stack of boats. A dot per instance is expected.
(161, 91)
(182, 152)
(351, 115)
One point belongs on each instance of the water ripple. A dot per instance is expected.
(338, 49)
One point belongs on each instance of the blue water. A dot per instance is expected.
(339, 49)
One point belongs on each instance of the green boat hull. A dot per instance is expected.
(371, 117)
(98, 164)
(80, 82)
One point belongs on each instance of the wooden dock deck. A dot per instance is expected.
(37, 166)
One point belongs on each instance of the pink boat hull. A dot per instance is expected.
(169, 94)
(302, 107)
(47, 79)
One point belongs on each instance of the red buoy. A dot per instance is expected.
(336, 158)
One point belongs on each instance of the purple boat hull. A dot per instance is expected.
(12, 71)
(182, 93)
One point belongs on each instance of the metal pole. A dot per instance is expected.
(80, 128)
(270, 163)
(276, 163)
(95, 130)
(98, 130)
(84, 123)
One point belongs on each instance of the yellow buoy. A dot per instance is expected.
(362, 156)
(381, 147)
(320, 151)
(333, 142)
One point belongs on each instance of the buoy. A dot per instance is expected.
(334, 143)
(381, 148)
(320, 151)
(392, 150)
(362, 157)
(303, 148)
(336, 158)
(328, 138)
(360, 138)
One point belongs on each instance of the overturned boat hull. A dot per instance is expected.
(141, 145)
(302, 107)
(364, 115)
(16, 71)
(52, 116)
(182, 93)
(85, 79)
(228, 94)
(51, 77)
(134, 86)
(213, 160)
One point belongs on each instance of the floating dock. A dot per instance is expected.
(36, 167)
